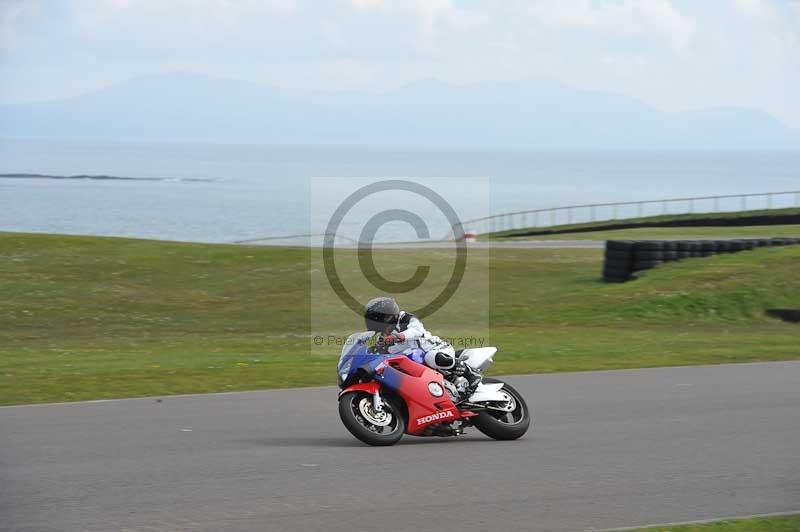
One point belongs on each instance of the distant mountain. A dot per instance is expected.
(537, 114)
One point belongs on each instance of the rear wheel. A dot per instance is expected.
(507, 424)
(374, 428)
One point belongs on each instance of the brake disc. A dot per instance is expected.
(379, 419)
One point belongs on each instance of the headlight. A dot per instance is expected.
(344, 369)
(436, 389)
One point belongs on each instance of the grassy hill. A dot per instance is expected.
(85, 317)
(677, 233)
(772, 222)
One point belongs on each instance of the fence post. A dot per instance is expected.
(797, 199)
(592, 214)
(691, 206)
(744, 203)
(552, 217)
(716, 203)
(614, 212)
(769, 201)
(640, 209)
(664, 207)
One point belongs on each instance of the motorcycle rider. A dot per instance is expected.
(401, 332)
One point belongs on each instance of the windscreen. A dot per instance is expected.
(353, 340)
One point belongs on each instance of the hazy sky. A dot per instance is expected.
(678, 54)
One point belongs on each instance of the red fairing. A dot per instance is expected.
(411, 380)
(369, 387)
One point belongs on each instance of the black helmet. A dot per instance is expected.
(380, 314)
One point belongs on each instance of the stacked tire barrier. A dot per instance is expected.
(623, 258)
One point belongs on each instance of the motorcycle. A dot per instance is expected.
(384, 396)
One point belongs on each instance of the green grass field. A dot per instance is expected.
(86, 318)
(790, 523)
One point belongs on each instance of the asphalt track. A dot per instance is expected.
(608, 449)
(501, 244)
(449, 244)
(484, 244)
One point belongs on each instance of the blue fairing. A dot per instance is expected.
(356, 356)
(417, 355)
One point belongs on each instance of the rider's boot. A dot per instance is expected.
(473, 377)
(465, 372)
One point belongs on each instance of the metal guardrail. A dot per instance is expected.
(594, 212)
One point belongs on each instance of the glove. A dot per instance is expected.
(396, 338)
(459, 369)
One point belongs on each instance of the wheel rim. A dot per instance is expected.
(384, 422)
(511, 412)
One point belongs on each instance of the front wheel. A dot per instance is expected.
(374, 428)
(507, 422)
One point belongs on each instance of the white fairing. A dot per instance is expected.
(488, 392)
(479, 358)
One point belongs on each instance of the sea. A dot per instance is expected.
(233, 192)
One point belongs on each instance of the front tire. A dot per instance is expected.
(373, 428)
(504, 425)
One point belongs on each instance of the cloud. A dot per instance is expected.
(332, 31)
(627, 18)
(366, 4)
(195, 13)
(10, 12)
(673, 54)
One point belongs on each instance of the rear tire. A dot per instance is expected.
(501, 425)
(355, 410)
